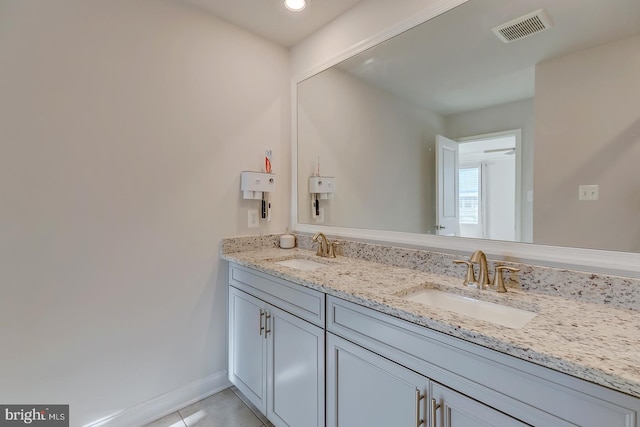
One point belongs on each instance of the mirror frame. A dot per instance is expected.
(594, 260)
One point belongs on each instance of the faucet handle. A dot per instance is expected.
(333, 249)
(470, 277)
(498, 282)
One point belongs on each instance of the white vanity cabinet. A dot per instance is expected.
(469, 385)
(364, 389)
(276, 347)
(385, 371)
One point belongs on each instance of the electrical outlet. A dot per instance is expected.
(588, 192)
(253, 219)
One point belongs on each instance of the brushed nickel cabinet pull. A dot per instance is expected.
(266, 324)
(434, 409)
(262, 313)
(419, 398)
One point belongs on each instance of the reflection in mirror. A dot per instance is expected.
(567, 96)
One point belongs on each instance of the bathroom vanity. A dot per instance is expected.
(276, 346)
(368, 339)
(339, 342)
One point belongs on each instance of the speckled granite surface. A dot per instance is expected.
(621, 292)
(587, 333)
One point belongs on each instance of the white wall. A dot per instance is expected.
(587, 108)
(379, 147)
(124, 127)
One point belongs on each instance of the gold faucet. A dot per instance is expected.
(323, 244)
(483, 282)
(478, 257)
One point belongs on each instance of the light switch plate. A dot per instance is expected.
(253, 219)
(588, 192)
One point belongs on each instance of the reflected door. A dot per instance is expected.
(447, 213)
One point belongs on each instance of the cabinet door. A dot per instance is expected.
(364, 389)
(452, 409)
(247, 346)
(295, 371)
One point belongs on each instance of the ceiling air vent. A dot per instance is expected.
(524, 26)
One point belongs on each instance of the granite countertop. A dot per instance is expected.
(594, 342)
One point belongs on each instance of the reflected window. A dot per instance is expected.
(469, 196)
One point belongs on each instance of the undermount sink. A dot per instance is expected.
(499, 314)
(301, 264)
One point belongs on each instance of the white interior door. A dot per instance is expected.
(447, 217)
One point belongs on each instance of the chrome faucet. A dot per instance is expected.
(323, 244)
(478, 257)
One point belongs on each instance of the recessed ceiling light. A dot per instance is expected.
(295, 5)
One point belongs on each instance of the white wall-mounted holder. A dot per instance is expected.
(258, 186)
(254, 184)
(320, 188)
(323, 186)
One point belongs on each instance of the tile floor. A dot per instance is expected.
(224, 409)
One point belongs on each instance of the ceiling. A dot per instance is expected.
(271, 20)
(454, 63)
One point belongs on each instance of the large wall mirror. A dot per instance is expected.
(529, 132)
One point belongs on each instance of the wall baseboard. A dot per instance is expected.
(167, 403)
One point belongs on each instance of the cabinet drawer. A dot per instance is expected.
(454, 409)
(308, 304)
(534, 394)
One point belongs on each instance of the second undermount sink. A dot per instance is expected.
(499, 314)
(301, 264)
